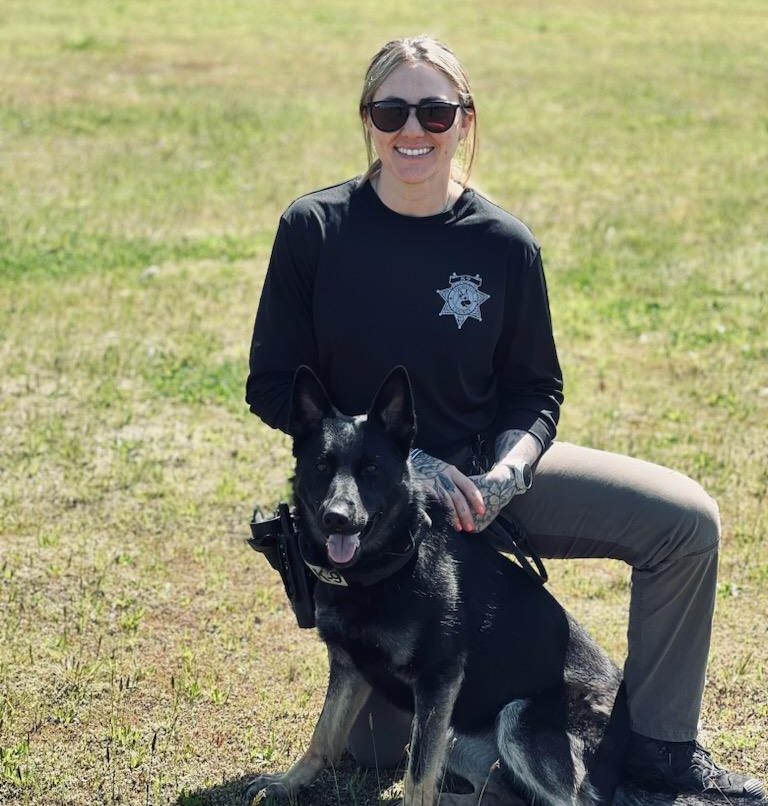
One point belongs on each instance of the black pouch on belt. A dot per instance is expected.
(278, 540)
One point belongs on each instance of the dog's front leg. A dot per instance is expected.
(434, 697)
(347, 692)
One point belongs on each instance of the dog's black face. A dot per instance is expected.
(350, 471)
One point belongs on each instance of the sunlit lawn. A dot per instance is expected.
(146, 152)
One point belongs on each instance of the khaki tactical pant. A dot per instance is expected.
(589, 503)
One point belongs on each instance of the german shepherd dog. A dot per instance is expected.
(507, 691)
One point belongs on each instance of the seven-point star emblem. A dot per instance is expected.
(463, 298)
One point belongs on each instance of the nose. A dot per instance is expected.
(412, 125)
(335, 519)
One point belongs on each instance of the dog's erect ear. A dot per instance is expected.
(309, 403)
(393, 408)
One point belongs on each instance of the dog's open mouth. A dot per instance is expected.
(342, 549)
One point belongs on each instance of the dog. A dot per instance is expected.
(508, 692)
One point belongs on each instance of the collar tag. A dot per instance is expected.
(328, 575)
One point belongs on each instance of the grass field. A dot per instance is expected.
(146, 152)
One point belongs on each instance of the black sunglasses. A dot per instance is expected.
(433, 116)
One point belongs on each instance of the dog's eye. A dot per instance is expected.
(321, 466)
(371, 467)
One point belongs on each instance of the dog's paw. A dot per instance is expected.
(267, 786)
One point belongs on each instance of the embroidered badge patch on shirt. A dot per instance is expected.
(463, 298)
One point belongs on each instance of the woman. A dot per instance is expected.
(408, 265)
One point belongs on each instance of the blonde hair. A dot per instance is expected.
(438, 55)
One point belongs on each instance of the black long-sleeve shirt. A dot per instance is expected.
(354, 288)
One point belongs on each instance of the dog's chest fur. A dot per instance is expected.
(393, 627)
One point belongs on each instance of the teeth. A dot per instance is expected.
(414, 152)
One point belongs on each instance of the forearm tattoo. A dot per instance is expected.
(506, 441)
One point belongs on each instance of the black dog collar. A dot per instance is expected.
(391, 561)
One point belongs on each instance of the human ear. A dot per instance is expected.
(467, 118)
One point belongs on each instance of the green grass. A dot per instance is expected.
(146, 152)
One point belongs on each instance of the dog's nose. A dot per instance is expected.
(334, 519)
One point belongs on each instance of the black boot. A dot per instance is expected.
(684, 767)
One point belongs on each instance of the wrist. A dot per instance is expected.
(520, 473)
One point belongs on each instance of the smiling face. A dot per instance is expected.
(412, 158)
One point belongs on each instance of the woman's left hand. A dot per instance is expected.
(498, 488)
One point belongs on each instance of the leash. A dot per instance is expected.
(508, 533)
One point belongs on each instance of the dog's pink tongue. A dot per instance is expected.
(342, 548)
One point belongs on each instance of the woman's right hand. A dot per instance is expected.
(452, 488)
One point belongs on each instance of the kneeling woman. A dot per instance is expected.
(409, 265)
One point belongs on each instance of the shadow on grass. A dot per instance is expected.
(346, 785)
